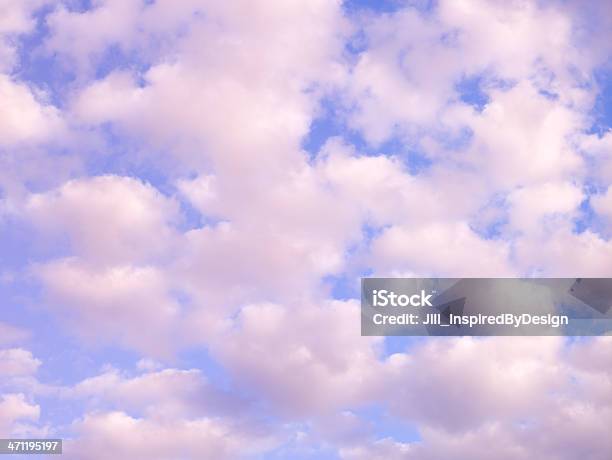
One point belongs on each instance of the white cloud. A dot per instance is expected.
(530, 206)
(245, 92)
(167, 394)
(129, 305)
(440, 250)
(383, 192)
(161, 414)
(522, 137)
(17, 362)
(108, 219)
(305, 359)
(529, 397)
(405, 79)
(15, 410)
(18, 413)
(118, 435)
(432, 383)
(562, 253)
(24, 117)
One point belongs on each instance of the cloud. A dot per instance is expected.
(24, 117)
(137, 218)
(15, 409)
(161, 414)
(405, 80)
(31, 129)
(522, 137)
(529, 207)
(130, 305)
(18, 413)
(563, 253)
(121, 436)
(304, 359)
(530, 397)
(417, 250)
(233, 241)
(167, 394)
(118, 231)
(246, 81)
(436, 384)
(17, 362)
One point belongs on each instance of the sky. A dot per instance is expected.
(190, 191)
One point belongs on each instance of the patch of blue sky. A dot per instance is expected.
(375, 6)
(332, 123)
(453, 141)
(40, 68)
(342, 286)
(602, 109)
(548, 94)
(490, 220)
(346, 285)
(473, 89)
(65, 364)
(200, 358)
(237, 395)
(298, 452)
(58, 413)
(587, 219)
(387, 6)
(325, 126)
(20, 245)
(370, 231)
(115, 57)
(65, 361)
(61, 353)
(21, 305)
(355, 45)
(122, 155)
(492, 230)
(193, 219)
(470, 90)
(79, 5)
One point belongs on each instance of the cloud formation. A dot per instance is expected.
(190, 189)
